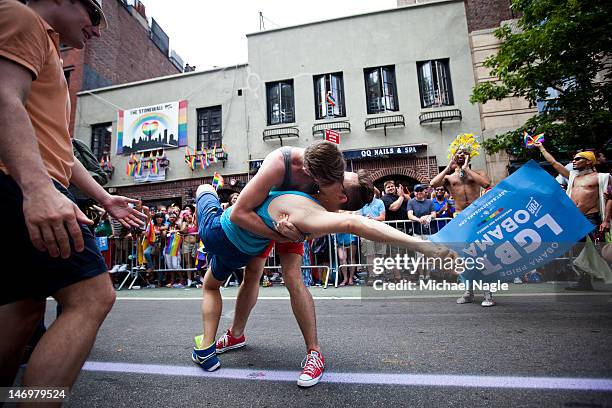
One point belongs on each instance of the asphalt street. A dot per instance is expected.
(535, 349)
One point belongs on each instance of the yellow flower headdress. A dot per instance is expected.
(464, 141)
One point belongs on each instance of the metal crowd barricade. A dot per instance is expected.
(331, 256)
(122, 254)
(128, 253)
(352, 248)
(273, 263)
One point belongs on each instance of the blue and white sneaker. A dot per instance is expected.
(205, 358)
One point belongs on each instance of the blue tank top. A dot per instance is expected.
(246, 241)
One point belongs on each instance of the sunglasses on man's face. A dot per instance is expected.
(578, 158)
(94, 13)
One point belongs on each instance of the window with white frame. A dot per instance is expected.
(381, 89)
(281, 106)
(329, 96)
(435, 85)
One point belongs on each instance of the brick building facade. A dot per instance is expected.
(481, 14)
(123, 53)
(483, 17)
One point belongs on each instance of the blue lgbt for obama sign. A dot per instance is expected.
(524, 222)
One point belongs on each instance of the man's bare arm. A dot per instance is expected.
(317, 222)
(117, 206)
(398, 203)
(51, 218)
(549, 158)
(479, 177)
(439, 179)
(412, 217)
(605, 225)
(254, 193)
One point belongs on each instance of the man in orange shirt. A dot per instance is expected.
(58, 254)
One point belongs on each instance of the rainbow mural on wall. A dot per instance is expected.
(162, 126)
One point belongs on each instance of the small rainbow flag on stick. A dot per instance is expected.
(530, 141)
(155, 165)
(193, 159)
(214, 154)
(173, 244)
(151, 233)
(217, 181)
(201, 156)
(205, 157)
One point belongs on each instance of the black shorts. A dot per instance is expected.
(29, 273)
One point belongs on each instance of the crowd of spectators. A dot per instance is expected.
(423, 212)
(163, 251)
(167, 250)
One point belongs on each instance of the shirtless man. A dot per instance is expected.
(586, 188)
(231, 247)
(464, 184)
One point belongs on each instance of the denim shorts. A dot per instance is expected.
(36, 274)
(223, 256)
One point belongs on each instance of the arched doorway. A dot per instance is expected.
(401, 175)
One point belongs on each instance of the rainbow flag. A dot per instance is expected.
(217, 181)
(531, 140)
(108, 163)
(182, 123)
(130, 166)
(214, 155)
(134, 162)
(192, 159)
(202, 156)
(187, 155)
(200, 261)
(151, 233)
(155, 166)
(173, 244)
(330, 99)
(206, 161)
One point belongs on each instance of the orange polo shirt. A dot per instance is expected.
(26, 39)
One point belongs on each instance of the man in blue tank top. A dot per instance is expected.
(231, 247)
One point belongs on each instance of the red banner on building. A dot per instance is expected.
(332, 136)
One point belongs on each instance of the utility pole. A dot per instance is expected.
(262, 24)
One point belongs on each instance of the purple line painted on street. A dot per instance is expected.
(430, 380)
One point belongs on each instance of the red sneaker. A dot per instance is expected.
(313, 365)
(229, 342)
